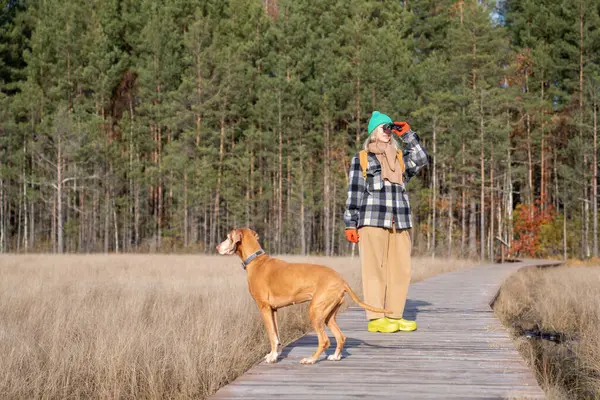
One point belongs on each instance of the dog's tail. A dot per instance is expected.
(364, 305)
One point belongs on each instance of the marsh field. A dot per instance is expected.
(140, 326)
(562, 303)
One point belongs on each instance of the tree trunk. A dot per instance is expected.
(586, 205)
(332, 245)
(509, 190)
(273, 213)
(247, 205)
(530, 196)
(25, 203)
(595, 179)
(280, 178)
(18, 222)
(472, 230)
(106, 219)
(159, 189)
(261, 180)
(114, 207)
(565, 254)
(482, 188)
(82, 220)
(543, 197)
(131, 240)
(195, 224)
(59, 183)
(289, 193)
(450, 224)
(492, 209)
(428, 248)
(250, 194)
(529, 163)
(53, 224)
(106, 188)
(586, 218)
(213, 225)
(205, 227)
(434, 191)
(582, 232)
(185, 211)
(301, 179)
(556, 192)
(463, 205)
(136, 216)
(32, 225)
(310, 217)
(326, 193)
(499, 224)
(94, 233)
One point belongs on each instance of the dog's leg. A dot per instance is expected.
(267, 314)
(276, 326)
(340, 339)
(318, 311)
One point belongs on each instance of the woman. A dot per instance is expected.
(377, 217)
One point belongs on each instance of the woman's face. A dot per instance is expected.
(381, 135)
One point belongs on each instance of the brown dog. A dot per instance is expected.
(275, 283)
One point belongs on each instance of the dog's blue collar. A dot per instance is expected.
(251, 258)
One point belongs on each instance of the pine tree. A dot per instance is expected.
(479, 53)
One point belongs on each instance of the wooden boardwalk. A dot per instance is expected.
(460, 351)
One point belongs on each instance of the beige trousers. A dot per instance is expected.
(385, 261)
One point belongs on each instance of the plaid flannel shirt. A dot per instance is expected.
(377, 202)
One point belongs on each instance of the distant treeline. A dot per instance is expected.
(149, 125)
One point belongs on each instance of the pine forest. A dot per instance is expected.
(158, 126)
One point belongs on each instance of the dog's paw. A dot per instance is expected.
(334, 357)
(307, 360)
(271, 358)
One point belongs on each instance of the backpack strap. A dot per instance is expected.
(364, 161)
(401, 161)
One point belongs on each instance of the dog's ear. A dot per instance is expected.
(236, 236)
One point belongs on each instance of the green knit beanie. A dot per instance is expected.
(377, 119)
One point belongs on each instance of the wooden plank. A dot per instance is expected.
(459, 351)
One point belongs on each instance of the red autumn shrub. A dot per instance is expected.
(528, 222)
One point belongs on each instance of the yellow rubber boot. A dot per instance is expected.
(382, 325)
(403, 324)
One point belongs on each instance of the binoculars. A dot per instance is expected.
(387, 128)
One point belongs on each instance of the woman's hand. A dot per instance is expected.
(351, 235)
(400, 127)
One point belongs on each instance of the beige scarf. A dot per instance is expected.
(387, 156)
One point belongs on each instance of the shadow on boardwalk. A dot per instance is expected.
(411, 311)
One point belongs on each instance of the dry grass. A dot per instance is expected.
(138, 326)
(565, 300)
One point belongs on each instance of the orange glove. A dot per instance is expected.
(400, 128)
(351, 235)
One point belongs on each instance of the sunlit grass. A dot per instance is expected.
(565, 300)
(139, 326)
